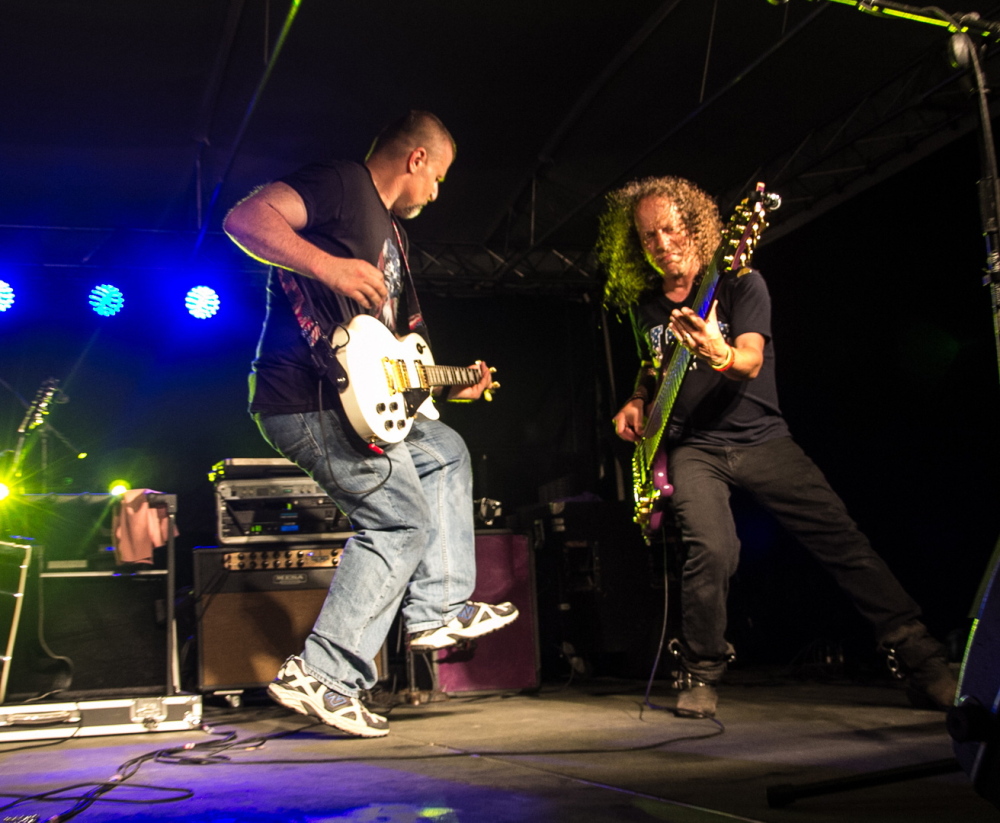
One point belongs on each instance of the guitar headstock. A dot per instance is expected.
(744, 228)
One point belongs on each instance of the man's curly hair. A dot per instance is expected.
(619, 250)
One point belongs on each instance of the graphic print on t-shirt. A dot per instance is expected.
(390, 266)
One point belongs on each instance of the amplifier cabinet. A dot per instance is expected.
(276, 510)
(89, 633)
(254, 608)
(506, 660)
(75, 529)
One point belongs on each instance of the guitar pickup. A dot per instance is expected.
(394, 379)
(422, 378)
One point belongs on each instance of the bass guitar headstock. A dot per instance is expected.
(745, 226)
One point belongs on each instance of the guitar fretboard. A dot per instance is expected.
(450, 376)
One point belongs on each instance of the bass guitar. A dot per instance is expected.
(732, 257)
(387, 381)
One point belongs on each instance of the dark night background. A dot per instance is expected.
(887, 365)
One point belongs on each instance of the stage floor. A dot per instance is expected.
(589, 751)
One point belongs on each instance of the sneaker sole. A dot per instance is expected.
(466, 634)
(291, 700)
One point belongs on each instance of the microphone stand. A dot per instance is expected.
(964, 53)
(34, 420)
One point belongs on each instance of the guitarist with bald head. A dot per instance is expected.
(704, 418)
(327, 397)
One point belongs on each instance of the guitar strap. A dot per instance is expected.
(409, 306)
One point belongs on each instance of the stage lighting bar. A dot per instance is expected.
(6, 295)
(106, 300)
(202, 302)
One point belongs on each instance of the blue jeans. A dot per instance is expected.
(787, 483)
(415, 541)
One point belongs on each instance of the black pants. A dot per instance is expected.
(790, 486)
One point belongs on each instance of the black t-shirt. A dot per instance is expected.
(711, 409)
(346, 218)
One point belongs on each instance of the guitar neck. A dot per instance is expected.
(663, 404)
(449, 376)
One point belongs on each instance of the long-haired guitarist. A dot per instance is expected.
(332, 236)
(657, 238)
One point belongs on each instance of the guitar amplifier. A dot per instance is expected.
(277, 510)
(255, 607)
(75, 529)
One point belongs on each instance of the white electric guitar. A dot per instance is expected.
(389, 379)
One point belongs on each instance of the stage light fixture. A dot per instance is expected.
(6, 296)
(4, 490)
(106, 300)
(202, 302)
(119, 487)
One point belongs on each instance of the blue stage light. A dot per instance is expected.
(6, 296)
(202, 302)
(106, 300)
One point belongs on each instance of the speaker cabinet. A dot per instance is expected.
(508, 659)
(255, 608)
(973, 722)
(92, 633)
(600, 590)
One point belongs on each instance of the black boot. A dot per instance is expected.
(696, 681)
(913, 655)
(697, 699)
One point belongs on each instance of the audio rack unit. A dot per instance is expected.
(277, 510)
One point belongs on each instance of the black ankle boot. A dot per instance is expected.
(696, 682)
(913, 655)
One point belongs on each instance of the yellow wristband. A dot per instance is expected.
(727, 363)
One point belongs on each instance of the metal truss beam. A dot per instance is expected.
(908, 118)
(452, 268)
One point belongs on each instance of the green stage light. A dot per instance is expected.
(119, 487)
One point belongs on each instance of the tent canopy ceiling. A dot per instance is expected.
(155, 117)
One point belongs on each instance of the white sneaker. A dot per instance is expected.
(294, 689)
(475, 620)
